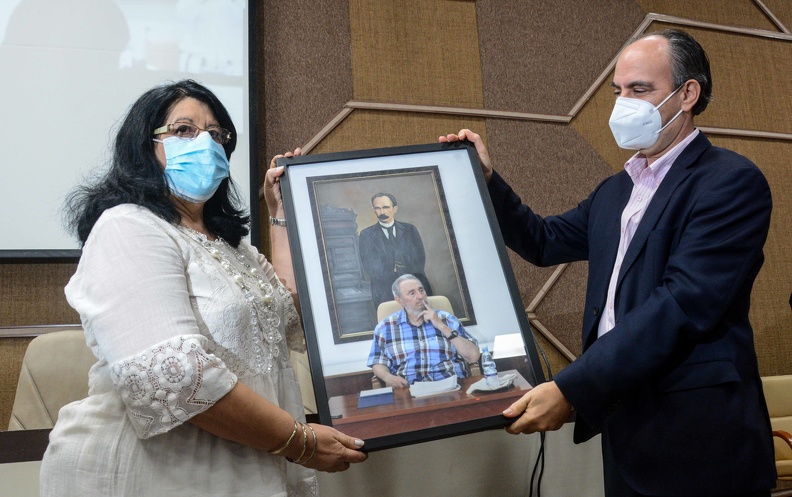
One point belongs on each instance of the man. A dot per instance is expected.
(390, 248)
(419, 343)
(669, 374)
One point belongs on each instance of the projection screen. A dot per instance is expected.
(68, 72)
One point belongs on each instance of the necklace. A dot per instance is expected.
(264, 319)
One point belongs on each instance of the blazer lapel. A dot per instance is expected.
(674, 177)
(380, 240)
(399, 228)
(608, 233)
(613, 227)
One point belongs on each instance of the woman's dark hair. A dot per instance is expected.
(688, 61)
(135, 176)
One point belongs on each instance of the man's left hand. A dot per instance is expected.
(430, 315)
(544, 408)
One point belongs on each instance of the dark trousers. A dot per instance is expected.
(615, 486)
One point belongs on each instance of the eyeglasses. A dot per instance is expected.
(190, 131)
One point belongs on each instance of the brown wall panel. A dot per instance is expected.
(561, 310)
(305, 71)
(32, 294)
(12, 350)
(416, 52)
(751, 85)
(742, 13)
(540, 56)
(305, 76)
(782, 10)
(374, 129)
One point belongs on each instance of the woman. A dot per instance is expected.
(193, 391)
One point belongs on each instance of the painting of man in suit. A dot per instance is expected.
(390, 248)
(361, 257)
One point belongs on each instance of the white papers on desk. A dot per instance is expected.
(424, 388)
(510, 345)
(376, 391)
(504, 382)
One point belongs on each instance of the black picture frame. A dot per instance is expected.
(442, 190)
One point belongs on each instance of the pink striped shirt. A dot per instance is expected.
(646, 180)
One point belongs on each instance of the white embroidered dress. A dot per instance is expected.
(173, 332)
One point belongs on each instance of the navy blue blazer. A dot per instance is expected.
(675, 385)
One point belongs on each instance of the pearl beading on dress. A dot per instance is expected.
(264, 319)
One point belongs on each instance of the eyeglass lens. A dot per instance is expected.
(190, 131)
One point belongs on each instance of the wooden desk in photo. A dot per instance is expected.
(410, 414)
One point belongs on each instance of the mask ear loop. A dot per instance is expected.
(669, 122)
(664, 101)
(669, 96)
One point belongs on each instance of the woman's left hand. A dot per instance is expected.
(334, 451)
(272, 193)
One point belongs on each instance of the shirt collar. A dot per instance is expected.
(637, 163)
(405, 319)
(386, 226)
(402, 317)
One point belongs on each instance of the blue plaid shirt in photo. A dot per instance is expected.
(418, 353)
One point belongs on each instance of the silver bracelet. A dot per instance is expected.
(276, 221)
(305, 446)
(314, 446)
(283, 447)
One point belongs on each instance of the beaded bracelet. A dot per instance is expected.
(294, 432)
(314, 446)
(305, 445)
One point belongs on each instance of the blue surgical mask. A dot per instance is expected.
(194, 168)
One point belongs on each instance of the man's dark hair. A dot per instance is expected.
(135, 176)
(688, 61)
(381, 194)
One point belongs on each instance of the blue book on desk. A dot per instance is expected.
(375, 397)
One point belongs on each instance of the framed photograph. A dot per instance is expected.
(357, 222)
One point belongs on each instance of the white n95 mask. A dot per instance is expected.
(636, 124)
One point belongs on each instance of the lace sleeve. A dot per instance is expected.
(169, 383)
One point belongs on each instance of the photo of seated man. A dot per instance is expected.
(419, 343)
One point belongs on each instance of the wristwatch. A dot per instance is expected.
(275, 221)
(453, 334)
